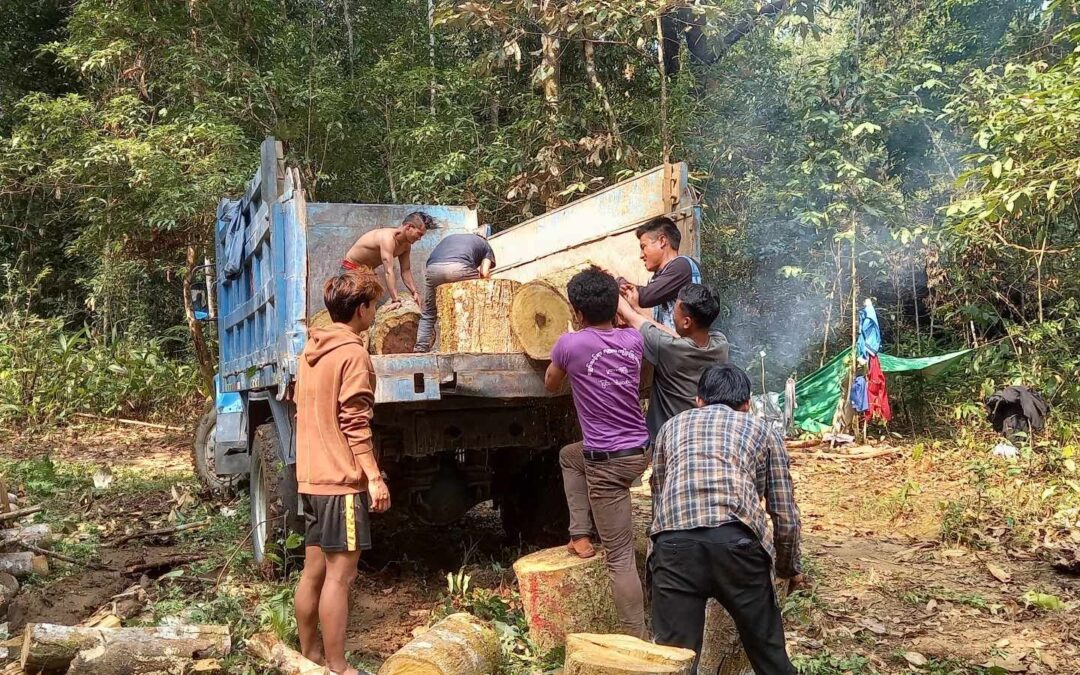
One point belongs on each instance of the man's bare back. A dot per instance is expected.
(379, 247)
(368, 249)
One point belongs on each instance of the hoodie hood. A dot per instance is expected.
(322, 341)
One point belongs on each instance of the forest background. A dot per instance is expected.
(924, 153)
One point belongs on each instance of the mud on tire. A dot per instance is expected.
(273, 502)
(202, 454)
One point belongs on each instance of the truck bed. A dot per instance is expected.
(430, 377)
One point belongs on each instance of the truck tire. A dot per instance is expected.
(274, 508)
(202, 454)
(533, 509)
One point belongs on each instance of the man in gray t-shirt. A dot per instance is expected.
(456, 257)
(680, 357)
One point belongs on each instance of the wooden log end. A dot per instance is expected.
(460, 644)
(612, 654)
(539, 314)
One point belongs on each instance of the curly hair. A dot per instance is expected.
(346, 292)
(595, 294)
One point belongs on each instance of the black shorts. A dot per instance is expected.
(337, 523)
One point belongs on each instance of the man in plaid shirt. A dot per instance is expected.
(712, 466)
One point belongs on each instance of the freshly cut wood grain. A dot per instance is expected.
(22, 564)
(394, 330)
(474, 316)
(321, 319)
(51, 649)
(541, 312)
(563, 594)
(460, 644)
(278, 655)
(590, 654)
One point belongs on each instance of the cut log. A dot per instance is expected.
(460, 644)
(590, 654)
(39, 535)
(48, 648)
(9, 588)
(19, 513)
(24, 563)
(721, 650)
(541, 312)
(562, 594)
(120, 608)
(267, 647)
(473, 316)
(148, 659)
(321, 319)
(394, 330)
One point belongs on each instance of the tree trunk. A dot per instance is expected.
(598, 87)
(541, 312)
(278, 655)
(562, 594)
(49, 649)
(121, 659)
(38, 535)
(394, 330)
(22, 564)
(460, 644)
(472, 316)
(588, 654)
(203, 357)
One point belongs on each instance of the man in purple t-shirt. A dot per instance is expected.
(604, 367)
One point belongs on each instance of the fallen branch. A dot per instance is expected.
(804, 443)
(19, 513)
(137, 423)
(275, 653)
(164, 563)
(51, 649)
(59, 556)
(836, 455)
(153, 533)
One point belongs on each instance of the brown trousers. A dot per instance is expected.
(598, 494)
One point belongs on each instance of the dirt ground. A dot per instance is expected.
(888, 595)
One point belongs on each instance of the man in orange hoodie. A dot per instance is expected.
(337, 475)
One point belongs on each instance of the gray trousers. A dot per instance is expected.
(436, 275)
(598, 494)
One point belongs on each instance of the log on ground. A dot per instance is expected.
(9, 588)
(591, 654)
(394, 330)
(38, 535)
(460, 644)
(541, 312)
(49, 648)
(119, 659)
(473, 316)
(23, 564)
(721, 650)
(278, 655)
(562, 594)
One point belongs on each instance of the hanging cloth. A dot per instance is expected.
(790, 404)
(877, 393)
(860, 397)
(869, 342)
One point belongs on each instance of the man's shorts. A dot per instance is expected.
(337, 523)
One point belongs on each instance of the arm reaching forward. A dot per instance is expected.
(406, 274)
(386, 253)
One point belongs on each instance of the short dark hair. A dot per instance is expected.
(346, 292)
(727, 384)
(595, 294)
(420, 218)
(700, 303)
(661, 225)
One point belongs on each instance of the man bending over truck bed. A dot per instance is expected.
(456, 258)
(336, 473)
(380, 246)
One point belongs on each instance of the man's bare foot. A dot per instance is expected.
(581, 547)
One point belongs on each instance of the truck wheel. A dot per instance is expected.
(273, 499)
(202, 454)
(533, 509)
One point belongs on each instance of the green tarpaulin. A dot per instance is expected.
(818, 394)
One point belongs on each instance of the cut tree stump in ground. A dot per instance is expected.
(460, 644)
(23, 564)
(474, 316)
(278, 655)
(50, 649)
(721, 650)
(38, 535)
(541, 312)
(591, 654)
(562, 594)
(394, 330)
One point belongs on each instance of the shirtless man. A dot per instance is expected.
(380, 246)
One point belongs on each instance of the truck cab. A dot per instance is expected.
(451, 430)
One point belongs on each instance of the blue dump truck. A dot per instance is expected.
(451, 430)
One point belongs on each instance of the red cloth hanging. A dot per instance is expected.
(878, 394)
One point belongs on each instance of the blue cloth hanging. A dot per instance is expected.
(235, 214)
(869, 342)
(860, 396)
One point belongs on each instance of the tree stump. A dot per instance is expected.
(460, 644)
(562, 594)
(24, 563)
(39, 535)
(589, 654)
(473, 316)
(277, 654)
(541, 312)
(394, 330)
(49, 649)
(721, 650)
